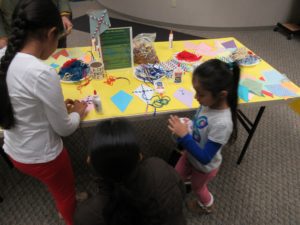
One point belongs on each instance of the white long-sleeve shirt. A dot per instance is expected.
(39, 109)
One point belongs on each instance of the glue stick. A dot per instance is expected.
(171, 39)
(97, 102)
(177, 74)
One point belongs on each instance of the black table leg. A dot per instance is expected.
(250, 128)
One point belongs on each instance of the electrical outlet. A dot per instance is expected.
(174, 3)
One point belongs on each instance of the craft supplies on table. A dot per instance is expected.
(97, 70)
(97, 102)
(171, 65)
(119, 99)
(143, 49)
(159, 87)
(242, 56)
(73, 71)
(187, 57)
(171, 37)
(177, 75)
(149, 72)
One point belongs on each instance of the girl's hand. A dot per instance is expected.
(67, 24)
(80, 108)
(177, 127)
(69, 104)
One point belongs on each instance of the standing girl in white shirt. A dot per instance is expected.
(33, 113)
(214, 125)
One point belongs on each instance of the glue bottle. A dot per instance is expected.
(177, 74)
(97, 102)
(94, 44)
(171, 37)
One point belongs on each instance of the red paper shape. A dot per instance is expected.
(262, 78)
(267, 93)
(188, 56)
(59, 53)
(64, 53)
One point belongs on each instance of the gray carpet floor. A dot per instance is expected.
(264, 189)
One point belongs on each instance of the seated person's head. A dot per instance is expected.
(114, 152)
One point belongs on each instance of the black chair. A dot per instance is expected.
(290, 28)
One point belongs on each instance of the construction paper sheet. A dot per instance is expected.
(292, 87)
(243, 93)
(250, 96)
(87, 58)
(184, 96)
(273, 77)
(248, 76)
(144, 92)
(121, 100)
(62, 52)
(218, 44)
(267, 93)
(254, 86)
(190, 45)
(89, 101)
(229, 44)
(203, 49)
(278, 90)
(54, 65)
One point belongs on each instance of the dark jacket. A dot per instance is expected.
(7, 8)
(153, 178)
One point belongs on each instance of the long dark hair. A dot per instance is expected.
(114, 156)
(216, 76)
(31, 19)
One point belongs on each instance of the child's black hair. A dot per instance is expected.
(114, 156)
(30, 19)
(114, 150)
(216, 76)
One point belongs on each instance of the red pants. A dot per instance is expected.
(58, 176)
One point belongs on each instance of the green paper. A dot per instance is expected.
(254, 86)
(116, 45)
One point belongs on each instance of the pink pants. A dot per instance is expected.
(58, 176)
(199, 179)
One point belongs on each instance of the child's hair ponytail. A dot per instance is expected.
(233, 98)
(216, 76)
(30, 19)
(15, 43)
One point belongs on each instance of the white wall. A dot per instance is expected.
(206, 13)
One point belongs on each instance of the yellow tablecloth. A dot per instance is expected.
(137, 107)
